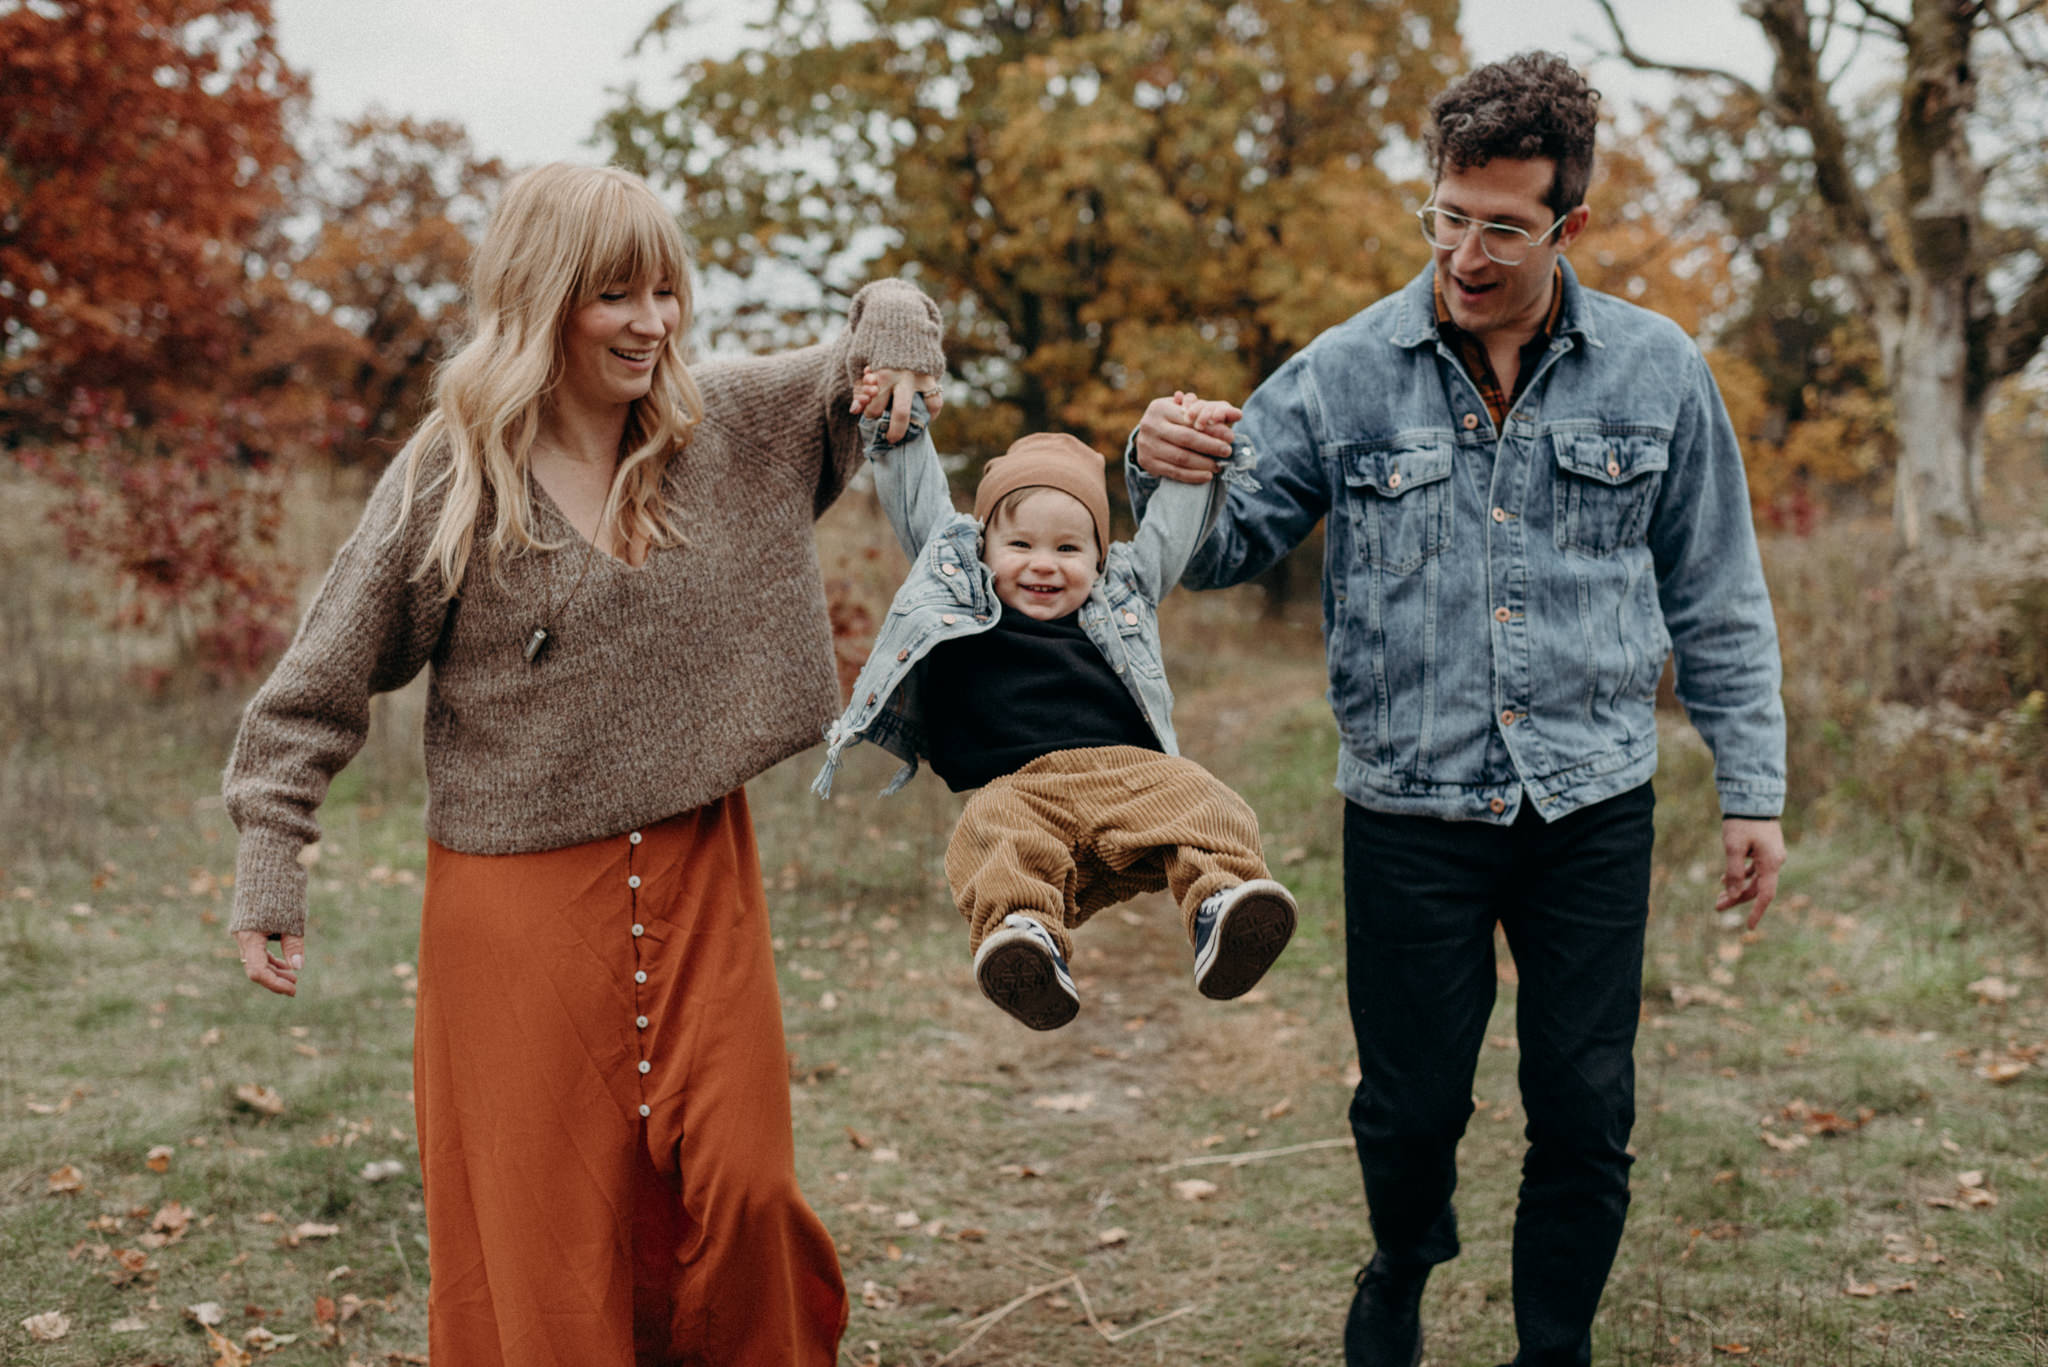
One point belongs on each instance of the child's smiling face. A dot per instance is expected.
(1041, 549)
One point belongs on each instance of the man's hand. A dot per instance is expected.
(279, 972)
(1755, 851)
(889, 391)
(1171, 444)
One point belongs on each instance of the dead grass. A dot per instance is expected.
(1811, 1097)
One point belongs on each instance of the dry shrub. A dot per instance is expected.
(1917, 694)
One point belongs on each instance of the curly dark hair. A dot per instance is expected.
(1534, 104)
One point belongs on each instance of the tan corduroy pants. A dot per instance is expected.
(1079, 830)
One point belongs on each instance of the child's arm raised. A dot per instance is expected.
(908, 480)
(1178, 516)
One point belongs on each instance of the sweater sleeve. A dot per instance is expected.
(793, 406)
(370, 629)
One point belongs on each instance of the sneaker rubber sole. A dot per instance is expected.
(1255, 929)
(1017, 974)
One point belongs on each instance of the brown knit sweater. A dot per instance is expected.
(661, 687)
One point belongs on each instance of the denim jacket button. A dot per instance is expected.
(1497, 806)
(871, 700)
(1471, 421)
(1500, 514)
(1501, 614)
(902, 655)
(949, 569)
(1507, 718)
(1131, 619)
(949, 619)
(1394, 480)
(1613, 467)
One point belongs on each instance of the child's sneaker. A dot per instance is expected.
(1020, 969)
(1239, 932)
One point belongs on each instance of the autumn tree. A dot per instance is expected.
(144, 150)
(1952, 286)
(399, 202)
(142, 144)
(1111, 199)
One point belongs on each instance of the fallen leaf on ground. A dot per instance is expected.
(1194, 1189)
(907, 1219)
(47, 1327)
(226, 1353)
(205, 1313)
(1993, 990)
(382, 1168)
(2002, 1071)
(1785, 1143)
(1734, 1350)
(1065, 1101)
(172, 1218)
(1280, 1108)
(159, 1158)
(128, 1324)
(260, 1099)
(66, 1180)
(1862, 1290)
(1113, 1237)
(307, 1229)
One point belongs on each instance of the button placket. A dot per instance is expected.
(639, 971)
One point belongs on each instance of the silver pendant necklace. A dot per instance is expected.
(537, 640)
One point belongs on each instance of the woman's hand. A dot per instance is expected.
(889, 391)
(279, 974)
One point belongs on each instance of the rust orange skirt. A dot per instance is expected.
(603, 1104)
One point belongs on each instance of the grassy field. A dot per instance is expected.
(1843, 1132)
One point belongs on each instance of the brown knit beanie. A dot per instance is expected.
(1050, 460)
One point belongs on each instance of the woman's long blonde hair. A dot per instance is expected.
(561, 234)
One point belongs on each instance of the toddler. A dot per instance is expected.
(1021, 658)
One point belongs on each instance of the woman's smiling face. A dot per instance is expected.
(610, 345)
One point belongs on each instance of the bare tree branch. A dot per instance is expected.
(1627, 52)
(1800, 95)
(1878, 16)
(2029, 60)
(2021, 329)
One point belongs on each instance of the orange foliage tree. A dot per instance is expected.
(143, 148)
(399, 202)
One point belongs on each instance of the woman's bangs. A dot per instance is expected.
(634, 240)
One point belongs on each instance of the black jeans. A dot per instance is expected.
(1421, 897)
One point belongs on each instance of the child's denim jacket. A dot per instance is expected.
(949, 593)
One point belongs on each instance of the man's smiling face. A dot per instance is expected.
(1485, 297)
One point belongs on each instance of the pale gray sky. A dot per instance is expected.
(529, 78)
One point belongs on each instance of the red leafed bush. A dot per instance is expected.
(184, 519)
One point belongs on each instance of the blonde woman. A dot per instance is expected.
(603, 557)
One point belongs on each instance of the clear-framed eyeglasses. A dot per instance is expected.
(1503, 243)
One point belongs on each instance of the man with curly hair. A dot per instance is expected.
(1532, 494)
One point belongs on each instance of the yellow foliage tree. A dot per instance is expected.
(1110, 200)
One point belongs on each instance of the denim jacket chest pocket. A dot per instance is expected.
(1131, 619)
(1606, 488)
(1399, 501)
(948, 574)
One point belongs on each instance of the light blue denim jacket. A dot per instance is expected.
(1498, 605)
(949, 593)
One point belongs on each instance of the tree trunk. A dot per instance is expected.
(1937, 386)
(1939, 420)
